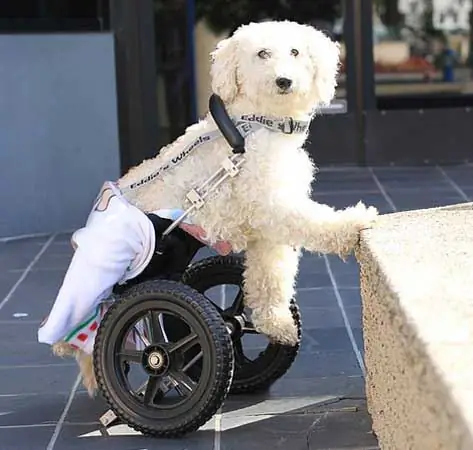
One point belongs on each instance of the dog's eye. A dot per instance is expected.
(294, 52)
(264, 54)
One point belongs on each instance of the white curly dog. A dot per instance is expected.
(265, 73)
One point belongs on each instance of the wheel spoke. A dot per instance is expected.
(184, 344)
(237, 305)
(152, 389)
(143, 338)
(131, 355)
(156, 331)
(193, 361)
(240, 357)
(183, 383)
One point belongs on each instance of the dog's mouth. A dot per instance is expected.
(285, 91)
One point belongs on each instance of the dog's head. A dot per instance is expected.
(277, 67)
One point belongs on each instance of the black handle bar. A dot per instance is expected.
(225, 124)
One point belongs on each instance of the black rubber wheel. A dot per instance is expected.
(174, 400)
(275, 360)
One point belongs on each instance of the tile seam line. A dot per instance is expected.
(25, 273)
(348, 328)
(453, 184)
(65, 412)
(24, 237)
(386, 196)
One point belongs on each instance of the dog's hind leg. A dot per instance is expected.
(86, 366)
(269, 280)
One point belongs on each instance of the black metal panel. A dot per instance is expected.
(133, 26)
(331, 139)
(415, 137)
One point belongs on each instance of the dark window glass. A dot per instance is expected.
(53, 15)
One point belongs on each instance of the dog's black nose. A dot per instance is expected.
(283, 83)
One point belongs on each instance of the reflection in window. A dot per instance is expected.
(422, 47)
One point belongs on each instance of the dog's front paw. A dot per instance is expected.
(355, 219)
(279, 326)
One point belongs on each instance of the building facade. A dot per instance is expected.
(91, 88)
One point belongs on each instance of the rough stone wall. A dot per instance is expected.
(412, 403)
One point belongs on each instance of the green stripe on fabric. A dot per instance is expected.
(82, 325)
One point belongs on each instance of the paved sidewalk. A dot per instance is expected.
(318, 405)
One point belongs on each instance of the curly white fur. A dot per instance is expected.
(266, 210)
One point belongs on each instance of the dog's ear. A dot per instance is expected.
(223, 70)
(325, 56)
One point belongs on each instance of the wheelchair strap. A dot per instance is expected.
(246, 124)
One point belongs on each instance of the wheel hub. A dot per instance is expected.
(155, 360)
(235, 324)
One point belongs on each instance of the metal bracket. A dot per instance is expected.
(230, 167)
(195, 198)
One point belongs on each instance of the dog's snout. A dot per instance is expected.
(283, 83)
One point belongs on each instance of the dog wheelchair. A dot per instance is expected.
(166, 354)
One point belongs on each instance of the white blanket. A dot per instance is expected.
(115, 245)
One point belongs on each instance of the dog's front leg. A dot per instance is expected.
(317, 227)
(269, 281)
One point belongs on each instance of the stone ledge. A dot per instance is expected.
(416, 273)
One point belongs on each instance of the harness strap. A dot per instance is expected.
(246, 124)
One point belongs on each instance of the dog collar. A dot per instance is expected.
(246, 125)
(286, 125)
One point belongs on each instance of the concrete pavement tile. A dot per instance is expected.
(324, 297)
(18, 254)
(32, 409)
(7, 281)
(335, 385)
(28, 438)
(86, 410)
(354, 316)
(323, 280)
(358, 335)
(259, 405)
(461, 175)
(404, 174)
(19, 345)
(330, 181)
(338, 426)
(63, 238)
(311, 263)
(311, 280)
(34, 296)
(28, 355)
(468, 191)
(124, 438)
(339, 266)
(346, 280)
(350, 296)
(346, 424)
(45, 380)
(327, 339)
(419, 200)
(315, 318)
(324, 363)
